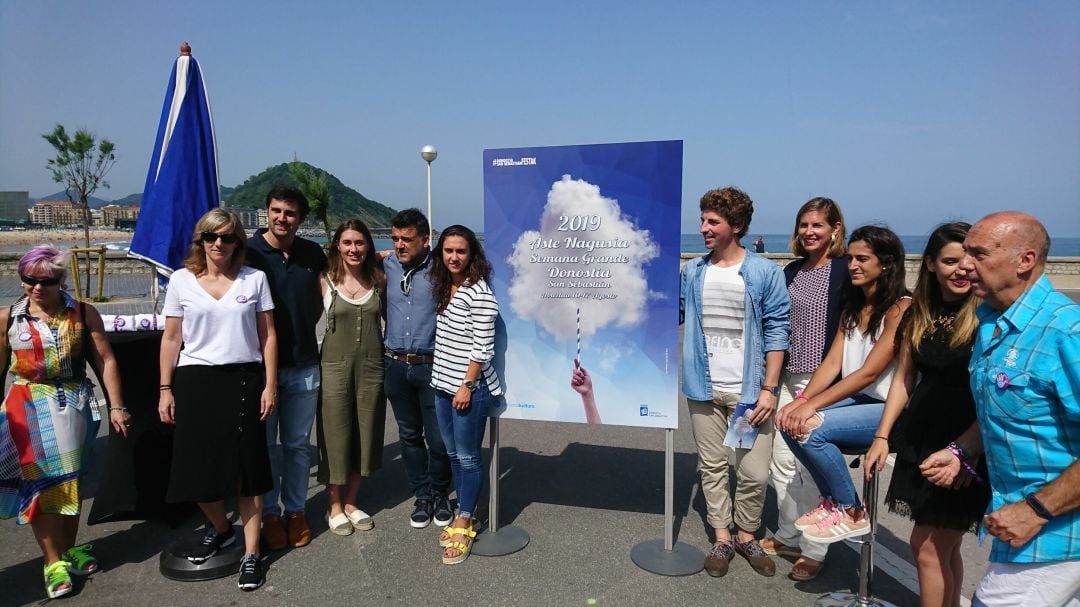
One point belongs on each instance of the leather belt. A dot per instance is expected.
(411, 359)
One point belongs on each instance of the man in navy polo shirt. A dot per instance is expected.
(292, 266)
(410, 345)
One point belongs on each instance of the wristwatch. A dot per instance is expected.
(471, 385)
(1037, 506)
(774, 389)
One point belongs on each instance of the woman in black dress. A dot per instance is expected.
(936, 338)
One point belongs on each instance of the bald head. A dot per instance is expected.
(1017, 231)
(1004, 254)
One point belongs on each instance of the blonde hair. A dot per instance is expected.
(832, 215)
(212, 221)
(927, 297)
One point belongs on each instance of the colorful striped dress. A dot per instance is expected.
(49, 417)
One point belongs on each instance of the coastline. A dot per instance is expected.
(31, 238)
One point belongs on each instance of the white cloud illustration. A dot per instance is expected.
(566, 265)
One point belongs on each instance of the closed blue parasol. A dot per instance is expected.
(182, 183)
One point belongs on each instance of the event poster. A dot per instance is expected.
(584, 242)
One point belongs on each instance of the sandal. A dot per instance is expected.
(805, 569)
(57, 579)
(775, 547)
(447, 534)
(463, 548)
(79, 560)
(339, 524)
(361, 521)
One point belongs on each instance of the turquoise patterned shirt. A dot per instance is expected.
(1026, 382)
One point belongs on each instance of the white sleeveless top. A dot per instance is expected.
(857, 347)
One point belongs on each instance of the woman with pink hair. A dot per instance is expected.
(50, 416)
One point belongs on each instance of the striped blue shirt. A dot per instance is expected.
(1026, 382)
(465, 332)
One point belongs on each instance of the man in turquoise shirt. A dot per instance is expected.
(1025, 377)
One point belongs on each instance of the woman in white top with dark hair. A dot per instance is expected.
(831, 414)
(220, 388)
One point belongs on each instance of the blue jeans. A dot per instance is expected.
(408, 387)
(291, 420)
(463, 433)
(850, 423)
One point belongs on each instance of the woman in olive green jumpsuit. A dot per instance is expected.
(352, 410)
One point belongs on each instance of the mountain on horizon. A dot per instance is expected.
(95, 202)
(347, 203)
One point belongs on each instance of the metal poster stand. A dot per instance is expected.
(496, 540)
(667, 557)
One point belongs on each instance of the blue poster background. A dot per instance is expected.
(544, 208)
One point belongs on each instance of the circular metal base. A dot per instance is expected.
(175, 565)
(847, 599)
(682, 559)
(507, 540)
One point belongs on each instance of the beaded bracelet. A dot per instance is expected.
(958, 451)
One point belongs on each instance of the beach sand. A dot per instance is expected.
(73, 237)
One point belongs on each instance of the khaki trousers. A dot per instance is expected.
(709, 420)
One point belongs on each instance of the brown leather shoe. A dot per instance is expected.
(756, 557)
(273, 533)
(719, 559)
(299, 532)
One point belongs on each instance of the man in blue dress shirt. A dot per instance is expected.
(410, 346)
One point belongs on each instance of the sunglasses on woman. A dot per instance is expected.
(45, 282)
(210, 237)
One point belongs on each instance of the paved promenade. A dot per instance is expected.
(585, 494)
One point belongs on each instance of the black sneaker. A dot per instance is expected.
(421, 514)
(251, 573)
(211, 543)
(444, 514)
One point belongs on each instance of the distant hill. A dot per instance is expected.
(136, 199)
(347, 203)
(95, 202)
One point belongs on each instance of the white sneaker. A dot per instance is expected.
(839, 525)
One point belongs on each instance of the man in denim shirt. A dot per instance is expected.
(1025, 377)
(735, 307)
(410, 346)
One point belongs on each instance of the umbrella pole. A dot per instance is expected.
(155, 290)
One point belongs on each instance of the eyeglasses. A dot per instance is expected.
(45, 282)
(210, 237)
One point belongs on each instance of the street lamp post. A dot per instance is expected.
(429, 153)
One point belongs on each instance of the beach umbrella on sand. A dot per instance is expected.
(182, 182)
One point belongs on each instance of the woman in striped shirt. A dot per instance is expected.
(462, 374)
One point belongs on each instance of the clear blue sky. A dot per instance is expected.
(908, 113)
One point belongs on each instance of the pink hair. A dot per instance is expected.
(44, 259)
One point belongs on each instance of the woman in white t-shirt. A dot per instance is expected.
(826, 415)
(220, 387)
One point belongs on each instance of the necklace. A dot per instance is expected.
(352, 292)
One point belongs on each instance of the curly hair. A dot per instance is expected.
(733, 205)
(476, 270)
(889, 250)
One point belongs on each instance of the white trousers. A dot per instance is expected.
(1055, 584)
(796, 492)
